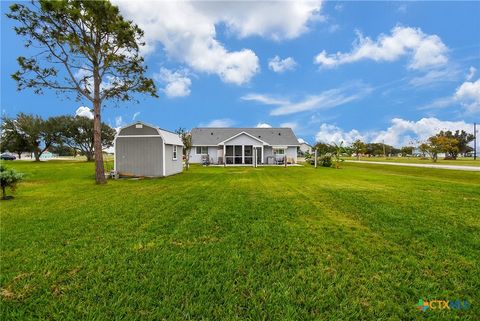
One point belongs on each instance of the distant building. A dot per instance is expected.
(305, 148)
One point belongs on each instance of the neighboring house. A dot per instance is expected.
(45, 155)
(146, 150)
(249, 146)
(305, 148)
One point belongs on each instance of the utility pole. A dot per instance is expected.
(315, 158)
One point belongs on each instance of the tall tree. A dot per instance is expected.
(77, 133)
(97, 48)
(406, 150)
(187, 144)
(462, 139)
(359, 147)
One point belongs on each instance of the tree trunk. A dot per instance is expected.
(4, 195)
(89, 156)
(97, 132)
(36, 155)
(19, 155)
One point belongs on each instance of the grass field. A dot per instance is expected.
(364, 242)
(415, 160)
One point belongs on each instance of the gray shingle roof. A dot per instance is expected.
(272, 136)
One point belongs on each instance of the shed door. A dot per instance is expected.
(139, 156)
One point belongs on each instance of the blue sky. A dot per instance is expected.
(379, 71)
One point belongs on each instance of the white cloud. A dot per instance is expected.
(281, 65)
(187, 30)
(471, 73)
(442, 102)
(292, 125)
(302, 141)
(263, 125)
(327, 99)
(224, 122)
(265, 99)
(435, 76)
(333, 134)
(135, 115)
(468, 94)
(84, 112)
(400, 133)
(177, 83)
(425, 51)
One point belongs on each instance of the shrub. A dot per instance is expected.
(325, 161)
(9, 178)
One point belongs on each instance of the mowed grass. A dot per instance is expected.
(364, 242)
(467, 161)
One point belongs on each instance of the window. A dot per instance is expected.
(175, 152)
(278, 151)
(202, 150)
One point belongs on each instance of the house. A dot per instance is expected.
(305, 148)
(247, 146)
(146, 150)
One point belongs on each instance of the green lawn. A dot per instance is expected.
(468, 161)
(360, 243)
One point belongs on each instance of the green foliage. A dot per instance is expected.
(323, 148)
(337, 154)
(187, 144)
(36, 133)
(82, 47)
(9, 178)
(12, 139)
(325, 161)
(406, 150)
(77, 133)
(294, 245)
(87, 38)
(358, 148)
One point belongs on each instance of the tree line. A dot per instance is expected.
(448, 142)
(65, 135)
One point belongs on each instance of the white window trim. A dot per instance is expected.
(276, 149)
(175, 152)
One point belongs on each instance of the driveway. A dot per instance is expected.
(454, 167)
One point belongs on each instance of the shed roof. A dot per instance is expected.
(272, 136)
(167, 136)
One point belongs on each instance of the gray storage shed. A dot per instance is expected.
(145, 150)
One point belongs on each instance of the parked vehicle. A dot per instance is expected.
(7, 156)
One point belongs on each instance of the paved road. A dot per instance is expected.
(454, 167)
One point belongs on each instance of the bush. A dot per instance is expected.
(9, 178)
(325, 161)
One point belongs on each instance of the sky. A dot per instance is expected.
(393, 72)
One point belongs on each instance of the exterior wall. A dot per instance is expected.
(197, 159)
(139, 156)
(292, 153)
(173, 166)
(305, 148)
(132, 130)
(243, 140)
(267, 151)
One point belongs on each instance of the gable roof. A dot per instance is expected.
(243, 133)
(167, 136)
(273, 136)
